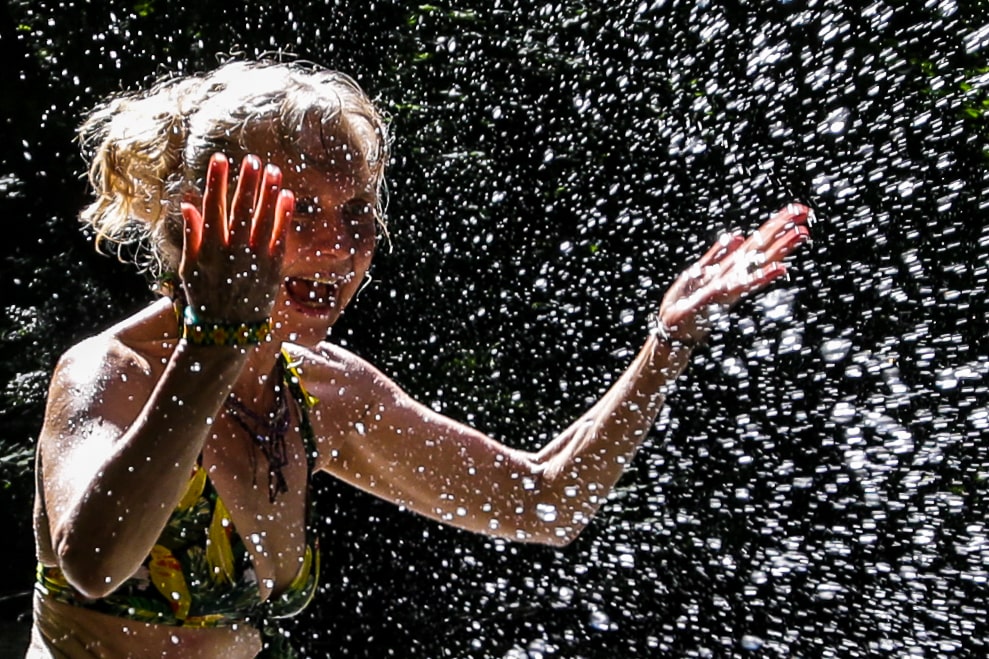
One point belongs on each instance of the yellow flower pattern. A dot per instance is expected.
(199, 572)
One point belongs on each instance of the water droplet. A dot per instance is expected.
(836, 122)
(834, 350)
(546, 512)
(600, 621)
(751, 643)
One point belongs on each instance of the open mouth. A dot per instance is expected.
(312, 294)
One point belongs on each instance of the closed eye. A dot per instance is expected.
(306, 207)
(357, 209)
(362, 216)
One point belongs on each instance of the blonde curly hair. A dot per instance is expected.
(147, 149)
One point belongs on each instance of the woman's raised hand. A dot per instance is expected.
(735, 266)
(231, 259)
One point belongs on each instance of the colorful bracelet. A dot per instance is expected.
(209, 333)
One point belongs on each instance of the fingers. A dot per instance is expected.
(284, 210)
(792, 217)
(776, 239)
(260, 208)
(215, 200)
(786, 243)
(244, 198)
(757, 279)
(193, 228)
(736, 266)
(796, 213)
(726, 244)
(266, 213)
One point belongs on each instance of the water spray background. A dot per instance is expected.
(816, 485)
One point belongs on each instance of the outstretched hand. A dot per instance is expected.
(231, 259)
(735, 266)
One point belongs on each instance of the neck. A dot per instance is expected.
(258, 378)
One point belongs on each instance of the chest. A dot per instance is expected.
(265, 489)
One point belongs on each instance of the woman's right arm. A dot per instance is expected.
(117, 449)
(119, 442)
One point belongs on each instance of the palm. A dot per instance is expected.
(733, 267)
(232, 257)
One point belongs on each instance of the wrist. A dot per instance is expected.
(199, 331)
(674, 337)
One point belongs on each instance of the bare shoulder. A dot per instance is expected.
(106, 376)
(329, 365)
(90, 366)
(97, 356)
(349, 389)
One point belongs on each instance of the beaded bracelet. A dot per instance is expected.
(210, 333)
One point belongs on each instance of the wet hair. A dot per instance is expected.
(147, 149)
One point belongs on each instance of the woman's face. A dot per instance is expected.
(331, 239)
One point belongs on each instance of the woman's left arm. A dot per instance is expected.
(404, 452)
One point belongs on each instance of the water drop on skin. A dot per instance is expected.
(546, 512)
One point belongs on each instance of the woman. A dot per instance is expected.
(173, 513)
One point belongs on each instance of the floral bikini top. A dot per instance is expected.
(199, 572)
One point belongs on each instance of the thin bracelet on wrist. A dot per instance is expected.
(200, 332)
(661, 331)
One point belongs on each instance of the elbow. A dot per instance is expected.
(553, 536)
(550, 518)
(88, 570)
(559, 532)
(557, 516)
(562, 537)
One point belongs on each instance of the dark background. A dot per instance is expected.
(816, 485)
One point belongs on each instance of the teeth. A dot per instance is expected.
(327, 280)
(312, 291)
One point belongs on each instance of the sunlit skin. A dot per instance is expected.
(132, 409)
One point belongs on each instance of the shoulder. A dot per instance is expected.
(329, 364)
(122, 355)
(96, 358)
(342, 381)
(97, 385)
